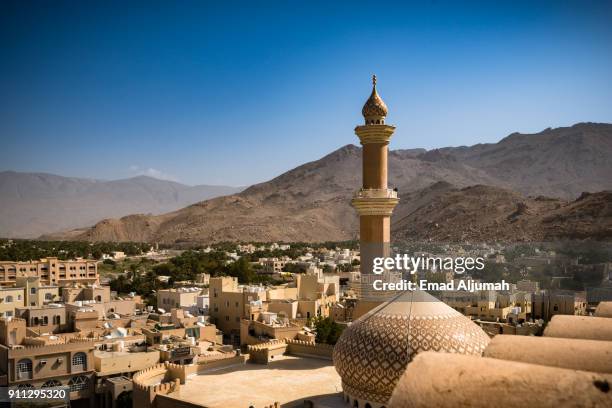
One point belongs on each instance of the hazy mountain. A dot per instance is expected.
(32, 204)
(311, 202)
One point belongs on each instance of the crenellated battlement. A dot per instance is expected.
(145, 392)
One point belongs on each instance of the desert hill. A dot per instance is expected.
(311, 202)
(444, 213)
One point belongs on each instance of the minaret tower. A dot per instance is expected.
(374, 201)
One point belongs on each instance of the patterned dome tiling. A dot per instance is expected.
(374, 351)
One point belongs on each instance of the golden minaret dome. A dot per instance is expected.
(374, 110)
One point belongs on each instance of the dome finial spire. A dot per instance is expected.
(374, 110)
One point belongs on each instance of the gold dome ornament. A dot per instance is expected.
(374, 111)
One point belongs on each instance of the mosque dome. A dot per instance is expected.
(374, 110)
(372, 353)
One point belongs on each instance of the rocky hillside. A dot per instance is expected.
(443, 213)
(311, 202)
(560, 162)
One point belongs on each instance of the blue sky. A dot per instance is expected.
(239, 92)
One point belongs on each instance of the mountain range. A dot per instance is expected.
(525, 187)
(32, 204)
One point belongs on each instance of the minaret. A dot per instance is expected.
(374, 201)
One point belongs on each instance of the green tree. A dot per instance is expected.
(242, 270)
(328, 331)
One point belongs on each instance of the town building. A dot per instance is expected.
(184, 297)
(46, 362)
(51, 271)
(36, 293)
(10, 299)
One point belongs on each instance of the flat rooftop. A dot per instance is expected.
(288, 380)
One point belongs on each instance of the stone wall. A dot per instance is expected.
(265, 352)
(309, 349)
(144, 392)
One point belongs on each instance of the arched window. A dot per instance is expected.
(24, 369)
(8, 299)
(98, 298)
(48, 296)
(78, 383)
(355, 404)
(51, 384)
(57, 319)
(79, 362)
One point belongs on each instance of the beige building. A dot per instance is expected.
(44, 319)
(114, 308)
(46, 365)
(230, 303)
(122, 358)
(203, 278)
(84, 293)
(489, 305)
(51, 271)
(272, 264)
(178, 298)
(36, 293)
(545, 306)
(270, 327)
(10, 298)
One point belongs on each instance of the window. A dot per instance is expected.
(79, 362)
(33, 291)
(24, 369)
(18, 297)
(57, 319)
(48, 296)
(78, 383)
(237, 304)
(51, 383)
(8, 299)
(227, 318)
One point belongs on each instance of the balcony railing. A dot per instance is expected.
(375, 193)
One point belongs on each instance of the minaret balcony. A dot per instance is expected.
(374, 133)
(375, 193)
(375, 201)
